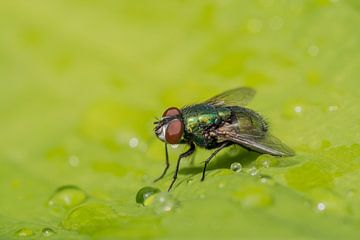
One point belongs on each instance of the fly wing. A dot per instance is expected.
(235, 97)
(253, 139)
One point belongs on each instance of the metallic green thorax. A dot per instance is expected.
(199, 118)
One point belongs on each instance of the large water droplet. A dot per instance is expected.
(67, 197)
(89, 218)
(236, 167)
(164, 202)
(144, 193)
(47, 232)
(24, 232)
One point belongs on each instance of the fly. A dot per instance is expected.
(217, 123)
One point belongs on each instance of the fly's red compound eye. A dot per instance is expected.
(170, 112)
(174, 131)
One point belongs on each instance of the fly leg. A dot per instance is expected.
(167, 164)
(212, 156)
(185, 154)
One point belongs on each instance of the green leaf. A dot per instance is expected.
(81, 85)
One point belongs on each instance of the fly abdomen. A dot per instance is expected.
(248, 119)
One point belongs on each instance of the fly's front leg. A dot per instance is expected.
(167, 164)
(183, 155)
(225, 144)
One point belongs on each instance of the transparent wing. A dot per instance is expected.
(235, 97)
(253, 139)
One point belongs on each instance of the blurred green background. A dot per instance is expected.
(82, 82)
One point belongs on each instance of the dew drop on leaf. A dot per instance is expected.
(89, 218)
(236, 167)
(266, 161)
(47, 232)
(253, 171)
(67, 197)
(164, 203)
(190, 181)
(24, 232)
(321, 206)
(144, 193)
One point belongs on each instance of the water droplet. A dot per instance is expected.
(333, 108)
(254, 25)
(253, 171)
(74, 161)
(24, 232)
(276, 23)
(190, 181)
(236, 167)
(263, 180)
(298, 109)
(321, 206)
(164, 202)
(313, 50)
(145, 193)
(267, 161)
(67, 197)
(89, 218)
(267, 180)
(174, 146)
(133, 142)
(47, 232)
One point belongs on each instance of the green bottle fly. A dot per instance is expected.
(217, 123)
